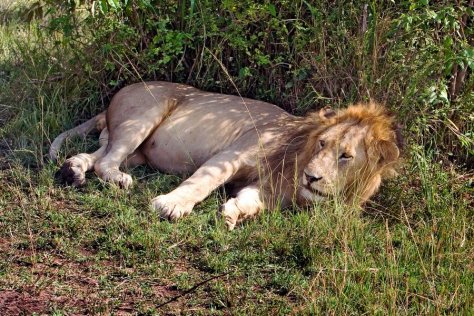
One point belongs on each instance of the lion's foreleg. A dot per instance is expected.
(212, 174)
(246, 204)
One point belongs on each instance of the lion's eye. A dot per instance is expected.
(345, 156)
(322, 143)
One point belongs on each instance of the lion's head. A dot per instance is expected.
(345, 153)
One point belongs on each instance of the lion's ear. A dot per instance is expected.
(384, 152)
(326, 113)
(389, 152)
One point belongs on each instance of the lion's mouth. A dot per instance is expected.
(316, 191)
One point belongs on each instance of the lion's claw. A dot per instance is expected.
(170, 207)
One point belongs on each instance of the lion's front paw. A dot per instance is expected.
(171, 207)
(72, 173)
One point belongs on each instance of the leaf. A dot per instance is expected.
(114, 4)
(104, 7)
(271, 8)
(244, 72)
(311, 8)
(448, 67)
(468, 55)
(443, 94)
(448, 42)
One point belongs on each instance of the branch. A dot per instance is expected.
(191, 289)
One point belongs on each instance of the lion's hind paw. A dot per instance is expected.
(71, 173)
(122, 180)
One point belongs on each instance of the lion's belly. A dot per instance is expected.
(176, 151)
(191, 135)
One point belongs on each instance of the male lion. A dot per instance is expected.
(269, 156)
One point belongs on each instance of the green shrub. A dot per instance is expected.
(416, 56)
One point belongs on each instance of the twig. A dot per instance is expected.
(191, 289)
(50, 79)
(363, 22)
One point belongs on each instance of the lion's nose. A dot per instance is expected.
(311, 178)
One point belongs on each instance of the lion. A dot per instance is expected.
(270, 157)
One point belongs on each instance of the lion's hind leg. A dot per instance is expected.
(130, 121)
(74, 169)
(246, 204)
(123, 150)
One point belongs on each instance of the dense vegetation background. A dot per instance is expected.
(102, 250)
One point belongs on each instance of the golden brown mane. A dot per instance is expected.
(284, 163)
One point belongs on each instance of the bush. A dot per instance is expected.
(415, 56)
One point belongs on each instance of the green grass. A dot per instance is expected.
(101, 250)
(106, 249)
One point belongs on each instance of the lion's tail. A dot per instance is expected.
(98, 122)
